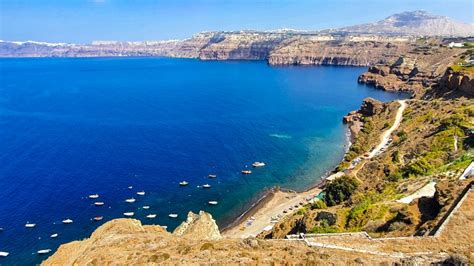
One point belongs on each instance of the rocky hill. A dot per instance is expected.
(414, 23)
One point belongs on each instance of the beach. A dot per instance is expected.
(271, 206)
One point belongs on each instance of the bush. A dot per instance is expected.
(318, 204)
(339, 190)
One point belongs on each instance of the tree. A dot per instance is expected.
(339, 190)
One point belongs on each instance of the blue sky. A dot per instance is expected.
(82, 21)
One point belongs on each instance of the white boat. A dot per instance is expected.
(258, 164)
(246, 172)
(164, 226)
(54, 235)
(131, 200)
(206, 186)
(3, 254)
(94, 196)
(183, 183)
(141, 193)
(30, 225)
(146, 207)
(98, 218)
(43, 251)
(130, 187)
(151, 216)
(212, 176)
(99, 203)
(128, 214)
(173, 215)
(67, 221)
(212, 202)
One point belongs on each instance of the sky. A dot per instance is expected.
(82, 21)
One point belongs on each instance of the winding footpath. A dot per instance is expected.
(384, 139)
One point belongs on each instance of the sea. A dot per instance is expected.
(72, 127)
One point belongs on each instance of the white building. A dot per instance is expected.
(455, 44)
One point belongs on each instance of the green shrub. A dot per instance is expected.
(339, 190)
(318, 204)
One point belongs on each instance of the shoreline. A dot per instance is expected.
(272, 201)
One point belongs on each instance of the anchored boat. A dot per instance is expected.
(246, 172)
(206, 186)
(183, 183)
(146, 207)
(258, 164)
(30, 225)
(213, 202)
(128, 214)
(99, 203)
(151, 216)
(131, 200)
(173, 215)
(94, 196)
(43, 251)
(54, 235)
(3, 254)
(67, 221)
(141, 193)
(98, 218)
(212, 176)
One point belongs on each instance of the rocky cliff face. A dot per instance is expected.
(454, 84)
(414, 71)
(347, 51)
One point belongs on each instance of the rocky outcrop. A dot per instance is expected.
(415, 72)
(353, 119)
(198, 226)
(455, 84)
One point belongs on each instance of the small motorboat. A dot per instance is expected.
(206, 186)
(54, 235)
(130, 187)
(212, 176)
(94, 196)
(183, 183)
(146, 207)
(128, 214)
(98, 218)
(141, 193)
(30, 225)
(164, 226)
(151, 216)
(99, 203)
(246, 172)
(67, 221)
(173, 215)
(258, 164)
(131, 200)
(3, 254)
(213, 202)
(43, 251)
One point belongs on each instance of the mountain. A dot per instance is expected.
(414, 23)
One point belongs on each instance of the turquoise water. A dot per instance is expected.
(74, 127)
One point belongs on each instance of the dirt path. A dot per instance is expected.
(384, 139)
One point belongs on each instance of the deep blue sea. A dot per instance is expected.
(74, 127)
